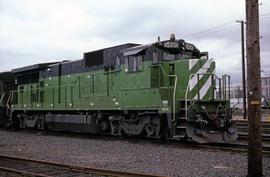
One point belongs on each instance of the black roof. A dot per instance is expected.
(6, 76)
(126, 45)
(31, 67)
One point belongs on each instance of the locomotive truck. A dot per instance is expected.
(165, 89)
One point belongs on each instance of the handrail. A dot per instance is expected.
(229, 85)
(162, 69)
(186, 94)
(224, 86)
(174, 92)
(186, 110)
(12, 95)
(8, 99)
(7, 105)
(2, 97)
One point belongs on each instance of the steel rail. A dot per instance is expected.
(228, 147)
(20, 172)
(71, 168)
(242, 126)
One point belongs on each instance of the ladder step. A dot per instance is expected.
(181, 127)
(181, 118)
(182, 109)
(179, 136)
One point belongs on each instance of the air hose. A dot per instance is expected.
(217, 111)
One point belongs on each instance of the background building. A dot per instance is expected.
(266, 87)
(236, 94)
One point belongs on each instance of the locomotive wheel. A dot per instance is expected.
(115, 127)
(150, 130)
(21, 118)
(104, 125)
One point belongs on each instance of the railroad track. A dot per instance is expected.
(235, 147)
(242, 126)
(16, 166)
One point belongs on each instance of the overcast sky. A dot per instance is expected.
(34, 31)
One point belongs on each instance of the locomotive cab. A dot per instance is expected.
(187, 83)
(197, 112)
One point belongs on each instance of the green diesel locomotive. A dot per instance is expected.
(164, 89)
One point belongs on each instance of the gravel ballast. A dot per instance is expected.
(126, 155)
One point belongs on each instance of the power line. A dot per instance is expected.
(264, 18)
(266, 14)
(208, 29)
(218, 28)
(212, 32)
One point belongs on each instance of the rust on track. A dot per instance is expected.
(73, 168)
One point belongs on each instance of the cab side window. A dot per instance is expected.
(117, 64)
(133, 63)
(168, 56)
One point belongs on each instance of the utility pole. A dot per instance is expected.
(254, 89)
(243, 68)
